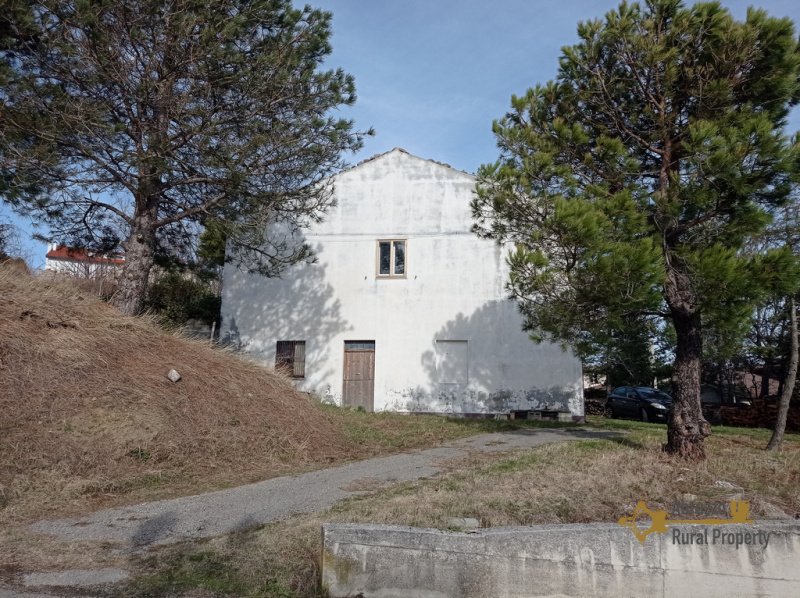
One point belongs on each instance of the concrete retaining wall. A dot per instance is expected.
(558, 560)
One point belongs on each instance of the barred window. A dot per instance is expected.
(290, 356)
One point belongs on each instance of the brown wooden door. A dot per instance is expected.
(359, 374)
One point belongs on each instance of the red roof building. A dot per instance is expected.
(80, 261)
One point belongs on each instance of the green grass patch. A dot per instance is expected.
(657, 429)
(209, 570)
(384, 432)
(204, 569)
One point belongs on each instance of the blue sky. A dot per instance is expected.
(431, 75)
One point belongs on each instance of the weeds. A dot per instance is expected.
(100, 420)
(569, 482)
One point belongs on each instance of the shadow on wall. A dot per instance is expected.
(298, 306)
(498, 369)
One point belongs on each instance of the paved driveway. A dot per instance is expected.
(192, 517)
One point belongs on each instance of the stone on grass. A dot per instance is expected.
(463, 522)
(726, 485)
(774, 512)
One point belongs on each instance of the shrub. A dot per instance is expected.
(178, 298)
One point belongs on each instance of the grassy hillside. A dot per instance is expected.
(86, 408)
(88, 417)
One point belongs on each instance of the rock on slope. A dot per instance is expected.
(87, 412)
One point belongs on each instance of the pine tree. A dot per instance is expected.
(782, 288)
(630, 183)
(136, 121)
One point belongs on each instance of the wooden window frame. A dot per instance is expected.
(291, 365)
(391, 242)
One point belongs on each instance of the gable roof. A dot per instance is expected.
(407, 153)
(79, 254)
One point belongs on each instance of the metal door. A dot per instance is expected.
(359, 374)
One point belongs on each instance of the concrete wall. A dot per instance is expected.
(453, 290)
(558, 560)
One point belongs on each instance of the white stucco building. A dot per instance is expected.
(405, 309)
(82, 263)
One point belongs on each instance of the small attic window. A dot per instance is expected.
(392, 258)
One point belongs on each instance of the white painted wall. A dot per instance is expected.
(79, 268)
(453, 291)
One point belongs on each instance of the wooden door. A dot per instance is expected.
(359, 374)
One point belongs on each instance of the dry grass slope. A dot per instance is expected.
(87, 413)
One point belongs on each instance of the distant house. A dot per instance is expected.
(405, 309)
(81, 262)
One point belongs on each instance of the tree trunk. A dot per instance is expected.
(686, 427)
(764, 383)
(139, 254)
(788, 386)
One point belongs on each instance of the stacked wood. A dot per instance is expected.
(594, 406)
(762, 414)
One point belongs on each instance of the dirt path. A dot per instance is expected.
(135, 528)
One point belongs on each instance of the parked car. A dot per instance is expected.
(639, 402)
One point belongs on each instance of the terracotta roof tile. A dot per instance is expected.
(79, 254)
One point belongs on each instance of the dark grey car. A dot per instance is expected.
(639, 402)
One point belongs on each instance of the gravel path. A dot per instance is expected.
(137, 527)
